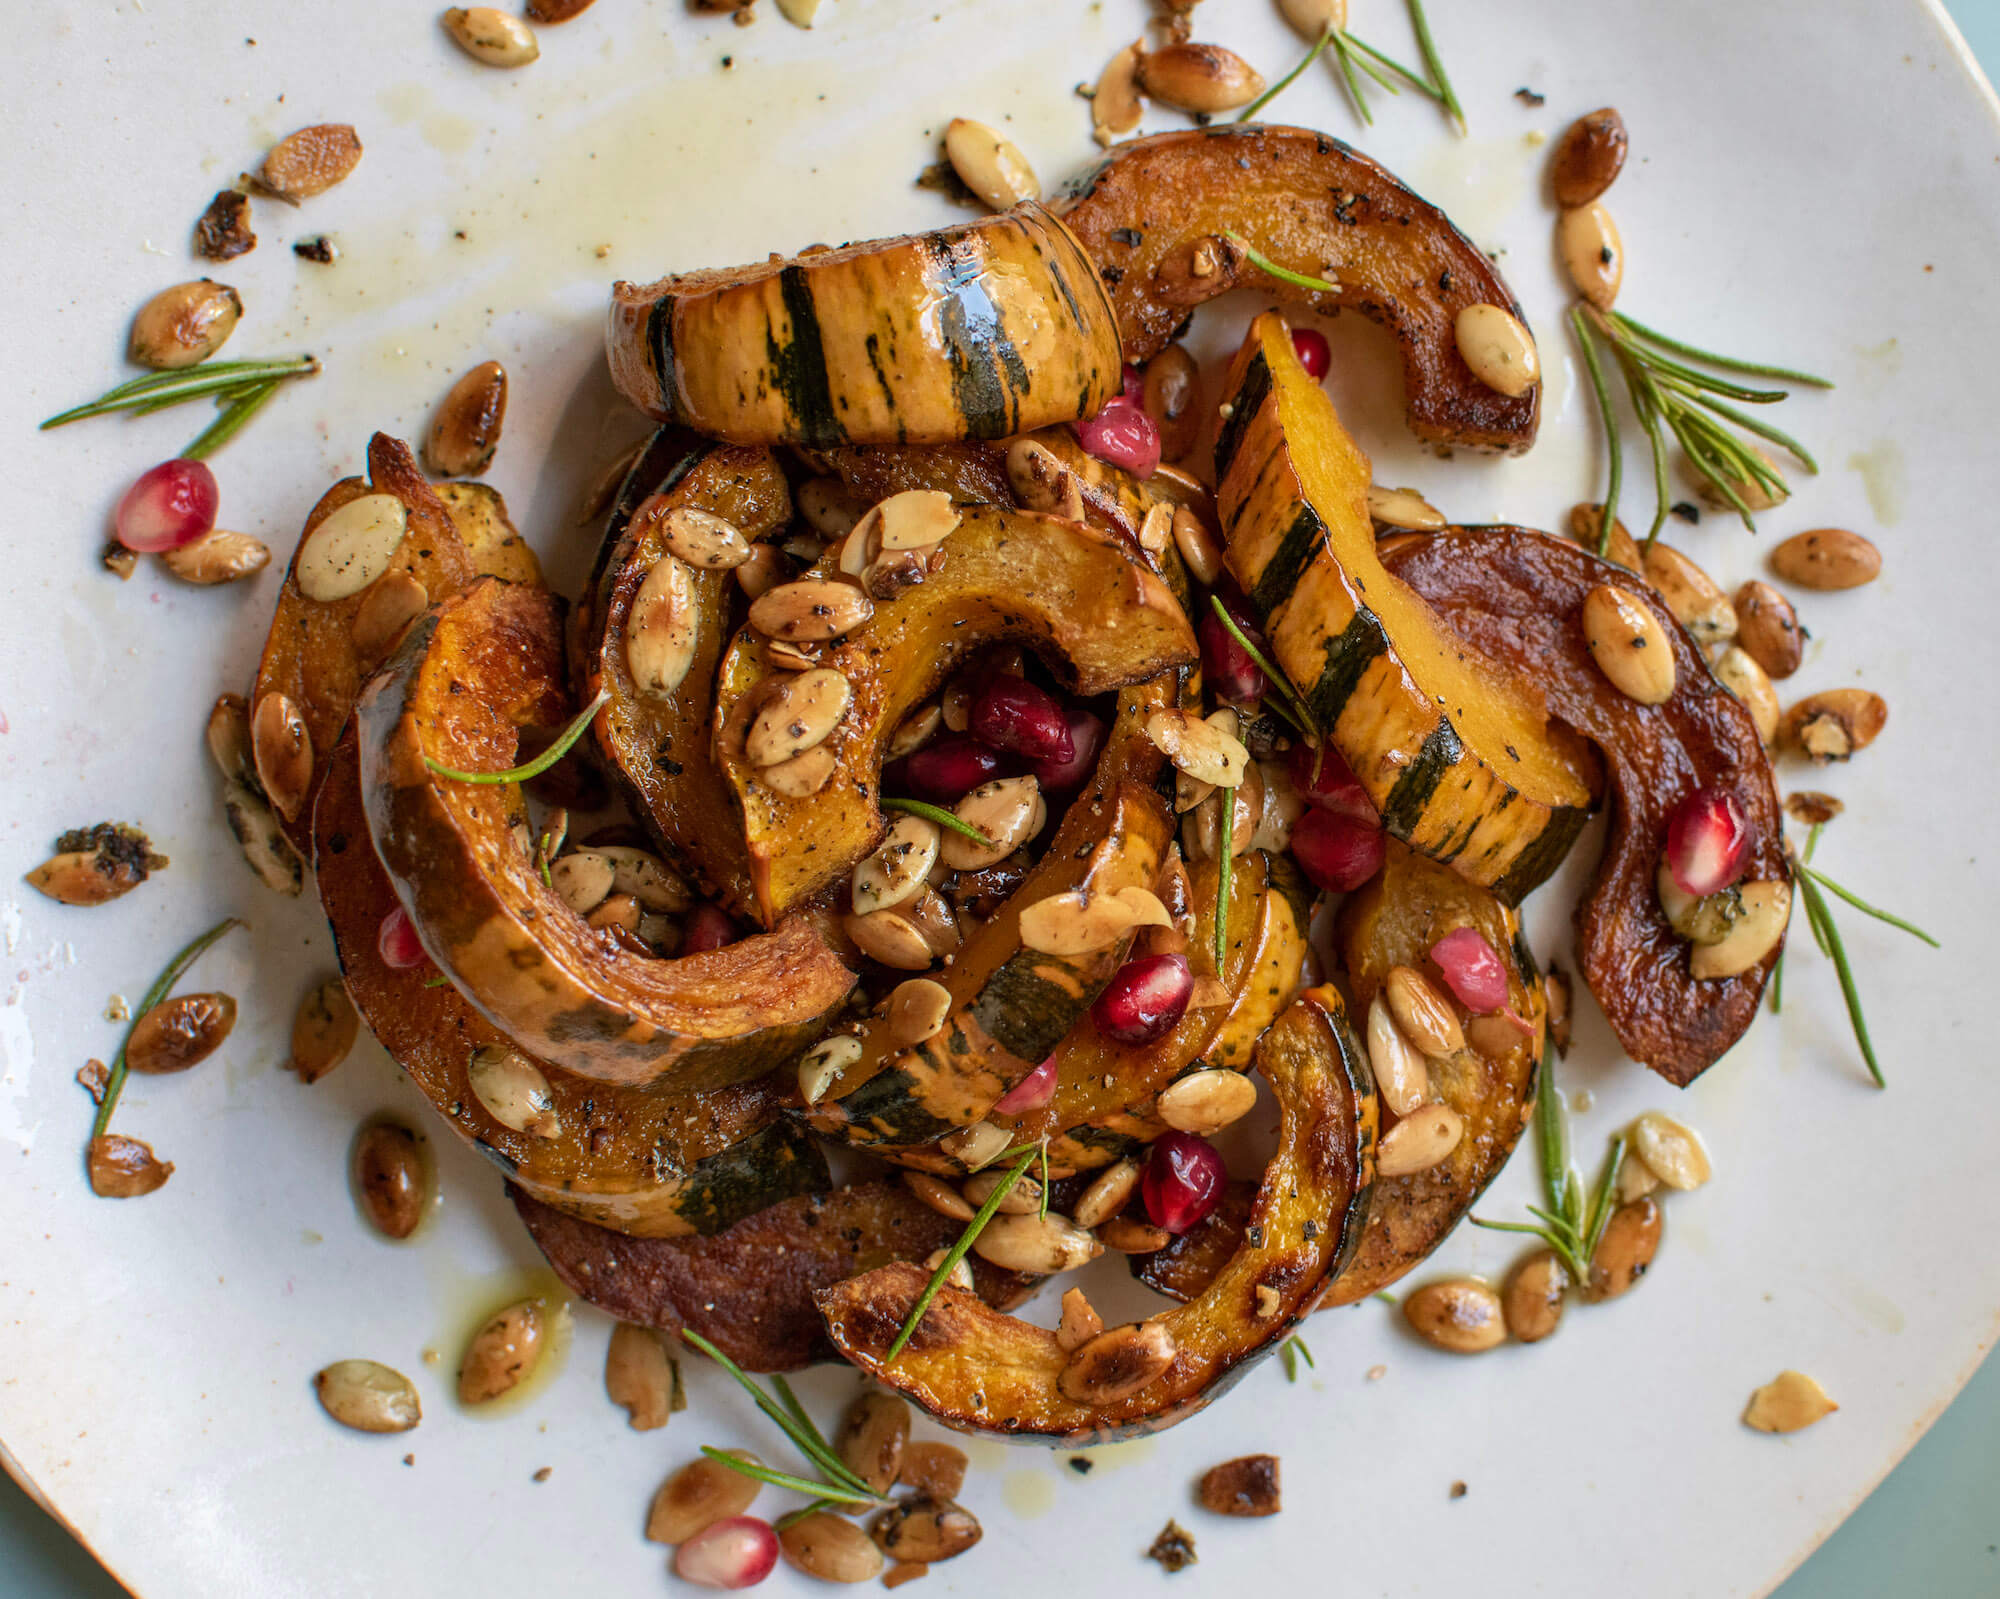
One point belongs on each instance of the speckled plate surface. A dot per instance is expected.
(1811, 182)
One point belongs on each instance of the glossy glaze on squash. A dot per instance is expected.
(1095, 616)
(1316, 207)
(1518, 595)
(977, 331)
(470, 679)
(979, 1371)
(1456, 751)
(654, 1162)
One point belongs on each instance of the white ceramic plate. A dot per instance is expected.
(1811, 181)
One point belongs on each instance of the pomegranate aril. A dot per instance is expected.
(397, 942)
(1030, 1093)
(1226, 667)
(1708, 841)
(1322, 778)
(1132, 384)
(1183, 1180)
(1123, 434)
(1145, 999)
(1310, 345)
(1011, 714)
(947, 769)
(708, 927)
(171, 505)
(1471, 970)
(1337, 852)
(736, 1552)
(1086, 737)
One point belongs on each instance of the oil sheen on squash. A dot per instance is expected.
(1456, 751)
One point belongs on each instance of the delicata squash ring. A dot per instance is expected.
(978, 331)
(1153, 213)
(467, 681)
(980, 1371)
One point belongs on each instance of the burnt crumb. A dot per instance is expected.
(119, 850)
(1528, 97)
(1686, 510)
(320, 249)
(119, 561)
(92, 1076)
(1444, 281)
(1113, 275)
(409, 1460)
(223, 233)
(1082, 1465)
(1458, 1490)
(1174, 1548)
(1246, 1486)
(1129, 237)
(1812, 807)
(543, 1475)
(941, 177)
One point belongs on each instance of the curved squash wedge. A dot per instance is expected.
(661, 750)
(1518, 595)
(749, 1289)
(467, 681)
(1317, 207)
(979, 1371)
(978, 331)
(1457, 752)
(653, 1162)
(1095, 615)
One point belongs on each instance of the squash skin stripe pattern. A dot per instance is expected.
(798, 366)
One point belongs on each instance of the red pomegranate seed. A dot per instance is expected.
(1232, 676)
(1313, 352)
(1708, 841)
(708, 927)
(1086, 736)
(737, 1552)
(1145, 999)
(947, 769)
(1471, 970)
(1324, 779)
(1011, 714)
(397, 942)
(1031, 1092)
(1337, 852)
(1182, 1182)
(172, 504)
(1123, 434)
(1132, 384)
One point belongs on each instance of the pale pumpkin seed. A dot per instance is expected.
(1205, 1102)
(582, 879)
(513, 1091)
(823, 1063)
(802, 775)
(1738, 672)
(762, 570)
(960, 1276)
(351, 548)
(1198, 546)
(1200, 748)
(1118, 1363)
(707, 542)
(918, 1009)
(800, 714)
(897, 869)
(1311, 18)
(916, 730)
(1419, 1141)
(811, 610)
(1766, 909)
(1789, 1402)
(939, 1195)
(1404, 508)
(1498, 349)
(891, 938)
(824, 1545)
(1079, 1322)
(641, 1376)
(647, 879)
(489, 35)
(1009, 811)
(990, 166)
(1400, 1073)
(1023, 1198)
(393, 601)
(1039, 1245)
(1072, 923)
(976, 1146)
(368, 1396)
(218, 557)
(916, 519)
(1108, 1194)
(1424, 1015)
(1628, 644)
(1592, 253)
(1696, 600)
(1671, 1151)
(1114, 104)
(661, 629)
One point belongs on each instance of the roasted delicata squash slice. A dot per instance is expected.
(660, 745)
(468, 681)
(1518, 595)
(978, 331)
(1154, 215)
(980, 1371)
(478, 513)
(1098, 618)
(750, 1288)
(1456, 750)
(654, 1161)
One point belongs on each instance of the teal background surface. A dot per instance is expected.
(1931, 1529)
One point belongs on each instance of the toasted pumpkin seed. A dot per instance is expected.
(489, 35)
(466, 430)
(323, 1031)
(368, 1396)
(897, 869)
(513, 1091)
(932, 916)
(1671, 1151)
(1788, 1402)
(283, 751)
(1535, 1296)
(1459, 1314)
(824, 1062)
(762, 570)
(1199, 78)
(1400, 1073)
(1311, 18)
(620, 912)
(1198, 546)
(934, 1469)
(1114, 105)
(916, 730)
(582, 879)
(1698, 603)
(217, 557)
(1584, 524)
(892, 938)
(825, 1546)
(1023, 1198)
(1588, 157)
(1756, 493)
(1628, 644)
(700, 1494)
(1424, 1015)
(661, 630)
(1625, 1252)
(1199, 748)
(1131, 1237)
(86, 877)
(1832, 725)
(990, 166)
(938, 1194)
(1108, 1194)
(811, 610)
(1736, 670)
(124, 1168)
(1079, 1322)
(1635, 1178)
(1118, 1363)
(1041, 482)
(829, 507)
(1404, 508)
(647, 879)
(1419, 1141)
(310, 161)
(802, 775)
(918, 1009)
(1498, 349)
(351, 548)
(705, 541)
(1205, 1102)
(1039, 1245)
(1592, 253)
(799, 715)
(641, 1376)
(1704, 920)
(1827, 558)
(185, 324)
(872, 1437)
(1767, 627)
(180, 1032)
(1009, 811)
(925, 1531)
(1072, 924)
(390, 1180)
(392, 603)
(502, 1353)
(1756, 931)
(977, 1146)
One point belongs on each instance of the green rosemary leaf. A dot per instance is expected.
(937, 814)
(1366, 50)
(157, 390)
(1778, 985)
(796, 1427)
(1755, 369)
(1249, 112)
(1863, 906)
(542, 762)
(1764, 430)
(440, 981)
(958, 1250)
(1225, 866)
(1434, 64)
(1263, 263)
(1354, 92)
(163, 985)
(1304, 1349)
(1821, 915)
(791, 1518)
(784, 1479)
(1301, 711)
(1649, 419)
(1601, 1206)
(230, 423)
(1608, 513)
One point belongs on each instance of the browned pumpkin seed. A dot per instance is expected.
(811, 610)
(124, 1168)
(977, 1146)
(872, 1437)
(1827, 558)
(1311, 18)
(1023, 1196)
(1628, 644)
(1039, 1245)
(1460, 1314)
(1592, 253)
(892, 938)
(960, 1275)
(1789, 1402)
(1625, 1252)
(1424, 1015)
(918, 1009)
(1205, 1102)
(1768, 629)
(502, 1353)
(1246, 1486)
(1832, 725)
(700, 1494)
(823, 1545)
(184, 324)
(1199, 78)
(1171, 395)
(1072, 923)
(218, 556)
(1419, 1141)
(1812, 807)
(323, 1031)
(916, 730)
(924, 1531)
(762, 570)
(557, 10)
(1698, 603)
(619, 913)
(390, 1180)
(392, 603)
(640, 1375)
(1399, 1069)
(1736, 670)
(368, 1396)
(180, 1032)
(310, 161)
(1499, 350)
(93, 865)
(1130, 1237)
(1584, 524)
(1079, 1322)
(1588, 157)
(1118, 1363)
(283, 751)
(825, 1061)
(800, 713)
(707, 542)
(1535, 1297)
(647, 879)
(1041, 482)
(938, 1194)
(466, 430)
(829, 507)
(934, 919)
(492, 37)
(1756, 493)
(990, 166)
(1205, 751)
(801, 776)
(351, 548)
(1009, 811)
(1198, 546)
(936, 1470)
(513, 1091)
(1114, 104)
(1108, 1194)
(896, 870)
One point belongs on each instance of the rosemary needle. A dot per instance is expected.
(542, 762)
(224, 380)
(1249, 112)
(937, 814)
(958, 1250)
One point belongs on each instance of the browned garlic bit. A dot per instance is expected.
(224, 231)
(1173, 1548)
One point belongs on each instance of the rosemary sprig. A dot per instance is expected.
(163, 985)
(228, 382)
(1353, 52)
(973, 1229)
(1249, 112)
(542, 762)
(1434, 65)
(1225, 867)
(1573, 1221)
(1608, 511)
(937, 814)
(226, 426)
(1670, 397)
(1263, 263)
(1295, 702)
(1294, 1350)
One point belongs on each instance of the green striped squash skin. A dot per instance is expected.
(979, 331)
(1434, 793)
